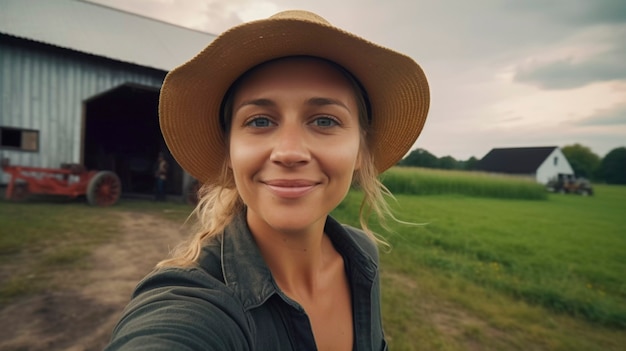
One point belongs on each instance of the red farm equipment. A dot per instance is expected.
(102, 188)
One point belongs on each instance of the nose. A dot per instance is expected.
(290, 147)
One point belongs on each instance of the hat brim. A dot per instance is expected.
(191, 94)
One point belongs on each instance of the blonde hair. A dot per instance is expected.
(219, 201)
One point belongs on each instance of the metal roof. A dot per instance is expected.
(522, 160)
(101, 31)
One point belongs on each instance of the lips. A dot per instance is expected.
(290, 188)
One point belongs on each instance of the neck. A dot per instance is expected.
(297, 259)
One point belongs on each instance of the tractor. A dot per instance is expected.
(570, 184)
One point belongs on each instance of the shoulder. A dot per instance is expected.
(363, 241)
(347, 238)
(186, 277)
(182, 308)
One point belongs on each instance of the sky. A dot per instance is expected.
(502, 73)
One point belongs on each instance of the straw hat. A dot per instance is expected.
(191, 94)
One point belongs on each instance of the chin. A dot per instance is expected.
(287, 220)
(296, 224)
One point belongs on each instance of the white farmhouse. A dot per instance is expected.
(539, 163)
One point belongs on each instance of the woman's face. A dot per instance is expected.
(294, 143)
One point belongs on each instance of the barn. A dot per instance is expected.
(79, 83)
(539, 163)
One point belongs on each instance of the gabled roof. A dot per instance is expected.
(101, 31)
(523, 160)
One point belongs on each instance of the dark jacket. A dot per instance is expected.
(231, 302)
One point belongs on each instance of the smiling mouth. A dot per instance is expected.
(290, 189)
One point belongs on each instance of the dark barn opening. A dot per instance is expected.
(122, 135)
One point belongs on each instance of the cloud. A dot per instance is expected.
(213, 16)
(597, 58)
(257, 10)
(574, 12)
(568, 73)
(606, 117)
(568, 55)
(591, 47)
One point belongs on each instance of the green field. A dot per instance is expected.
(425, 181)
(505, 274)
(476, 273)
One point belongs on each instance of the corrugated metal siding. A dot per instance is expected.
(101, 31)
(45, 89)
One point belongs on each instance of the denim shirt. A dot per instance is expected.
(230, 301)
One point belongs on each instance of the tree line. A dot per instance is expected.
(609, 169)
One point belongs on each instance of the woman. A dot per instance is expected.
(278, 118)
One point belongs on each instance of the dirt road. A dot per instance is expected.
(81, 316)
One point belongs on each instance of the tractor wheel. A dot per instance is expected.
(104, 189)
(20, 192)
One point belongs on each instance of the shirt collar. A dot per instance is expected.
(249, 277)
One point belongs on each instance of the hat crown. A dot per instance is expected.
(300, 15)
(191, 96)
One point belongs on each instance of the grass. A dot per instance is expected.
(481, 273)
(43, 237)
(545, 275)
(37, 239)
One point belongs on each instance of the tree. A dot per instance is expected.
(613, 166)
(582, 159)
(470, 164)
(419, 158)
(448, 162)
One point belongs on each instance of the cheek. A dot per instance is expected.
(359, 158)
(346, 158)
(243, 155)
(234, 157)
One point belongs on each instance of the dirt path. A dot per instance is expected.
(81, 317)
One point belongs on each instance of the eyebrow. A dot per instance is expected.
(322, 101)
(314, 101)
(256, 102)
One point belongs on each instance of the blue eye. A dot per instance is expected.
(325, 122)
(260, 122)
